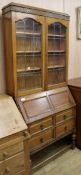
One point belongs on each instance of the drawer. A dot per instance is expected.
(12, 165)
(65, 115)
(41, 139)
(40, 125)
(70, 124)
(15, 164)
(10, 151)
(65, 127)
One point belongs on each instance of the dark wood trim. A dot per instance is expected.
(33, 10)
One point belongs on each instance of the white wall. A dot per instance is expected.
(66, 6)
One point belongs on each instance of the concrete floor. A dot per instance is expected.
(68, 163)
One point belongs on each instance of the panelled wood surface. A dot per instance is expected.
(7, 23)
(15, 163)
(11, 121)
(12, 165)
(62, 124)
(65, 115)
(38, 106)
(75, 87)
(14, 158)
(41, 139)
(65, 127)
(10, 151)
(13, 138)
(40, 125)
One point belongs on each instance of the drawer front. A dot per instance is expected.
(65, 115)
(65, 127)
(39, 126)
(10, 151)
(14, 164)
(38, 141)
(70, 124)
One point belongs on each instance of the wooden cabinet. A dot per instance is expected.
(14, 149)
(36, 57)
(41, 139)
(49, 115)
(37, 48)
(75, 87)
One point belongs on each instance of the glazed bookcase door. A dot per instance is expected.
(56, 47)
(29, 55)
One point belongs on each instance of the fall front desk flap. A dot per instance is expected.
(38, 106)
(11, 121)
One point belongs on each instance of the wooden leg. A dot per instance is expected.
(73, 140)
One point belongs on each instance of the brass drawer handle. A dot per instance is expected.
(5, 154)
(26, 134)
(41, 127)
(65, 128)
(41, 140)
(65, 117)
(7, 170)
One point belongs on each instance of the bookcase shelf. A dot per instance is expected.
(56, 36)
(29, 51)
(56, 67)
(29, 69)
(56, 51)
(28, 34)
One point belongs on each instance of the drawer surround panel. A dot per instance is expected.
(48, 110)
(41, 125)
(65, 127)
(65, 115)
(41, 139)
(13, 165)
(60, 124)
(11, 150)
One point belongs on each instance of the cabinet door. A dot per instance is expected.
(56, 48)
(29, 53)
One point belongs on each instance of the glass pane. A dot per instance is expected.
(29, 54)
(56, 53)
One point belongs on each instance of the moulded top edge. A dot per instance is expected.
(22, 8)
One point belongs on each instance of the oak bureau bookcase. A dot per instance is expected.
(36, 61)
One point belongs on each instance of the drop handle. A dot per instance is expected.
(65, 128)
(41, 127)
(7, 170)
(26, 134)
(65, 117)
(41, 140)
(5, 154)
